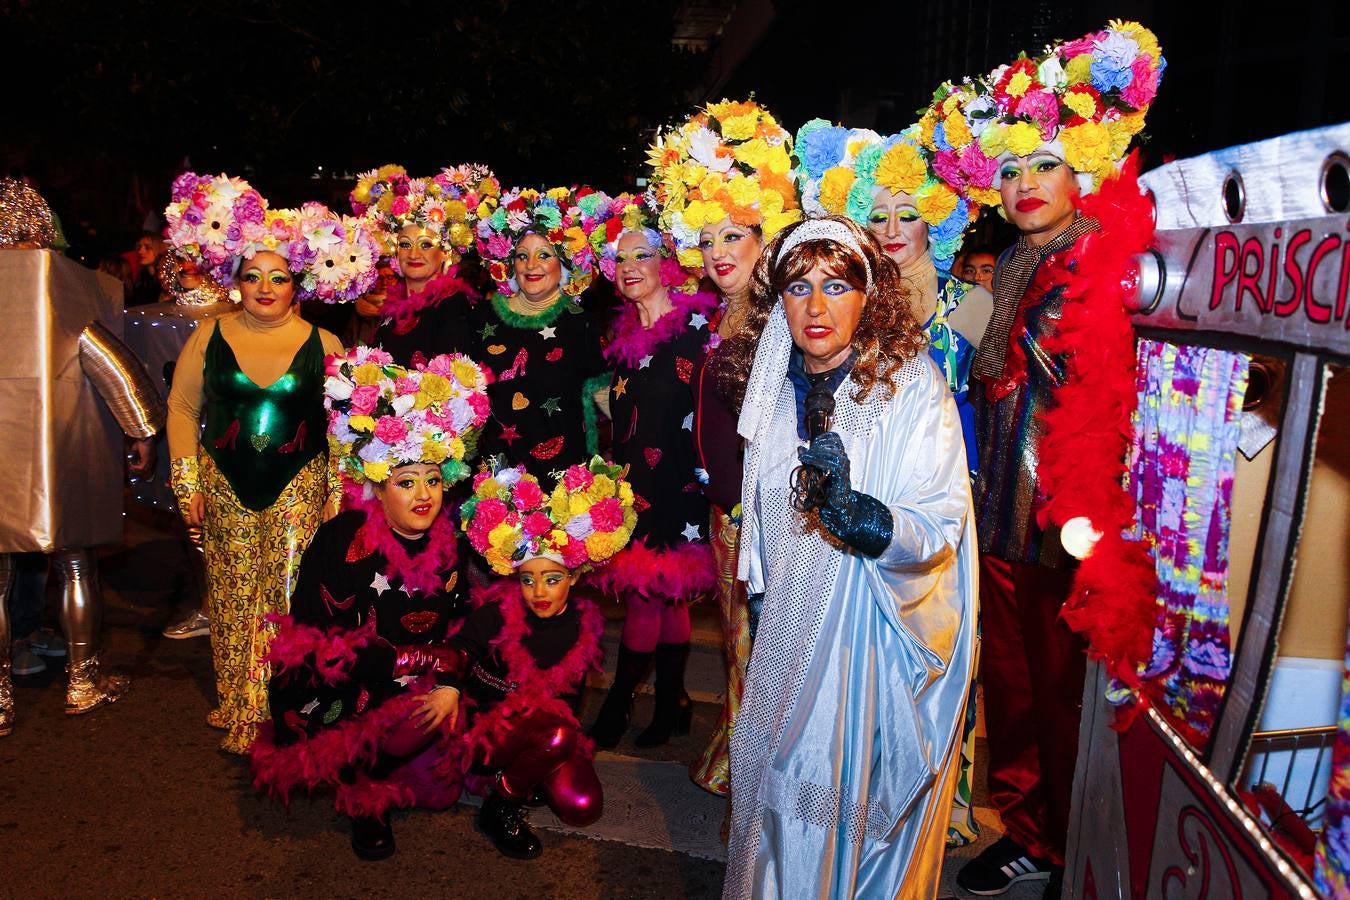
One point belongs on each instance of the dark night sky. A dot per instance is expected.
(106, 99)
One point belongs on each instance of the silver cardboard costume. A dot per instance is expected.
(845, 754)
(69, 391)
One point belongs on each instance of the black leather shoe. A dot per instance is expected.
(674, 712)
(612, 722)
(371, 838)
(503, 822)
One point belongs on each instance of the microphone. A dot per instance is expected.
(808, 482)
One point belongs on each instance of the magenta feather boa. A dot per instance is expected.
(682, 572)
(423, 572)
(402, 308)
(632, 341)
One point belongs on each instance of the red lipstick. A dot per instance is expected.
(1029, 204)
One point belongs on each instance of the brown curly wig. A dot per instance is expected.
(887, 337)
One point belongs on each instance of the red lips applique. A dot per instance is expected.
(419, 622)
(362, 700)
(548, 449)
(554, 355)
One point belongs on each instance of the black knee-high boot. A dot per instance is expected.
(674, 710)
(612, 721)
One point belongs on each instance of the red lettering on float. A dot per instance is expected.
(1225, 266)
(1319, 312)
(1344, 282)
(1251, 280)
(1292, 270)
(1274, 258)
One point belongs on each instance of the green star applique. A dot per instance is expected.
(550, 405)
(488, 330)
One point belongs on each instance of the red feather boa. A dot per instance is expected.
(1088, 430)
(402, 308)
(539, 690)
(679, 572)
(632, 341)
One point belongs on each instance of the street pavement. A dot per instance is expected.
(135, 799)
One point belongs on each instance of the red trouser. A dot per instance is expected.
(542, 753)
(1031, 668)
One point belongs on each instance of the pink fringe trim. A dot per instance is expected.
(683, 572)
(368, 797)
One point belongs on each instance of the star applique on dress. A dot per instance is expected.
(548, 332)
(698, 320)
(510, 434)
(550, 405)
(488, 330)
(620, 386)
(690, 531)
(380, 584)
(645, 361)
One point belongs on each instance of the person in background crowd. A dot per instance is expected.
(146, 287)
(977, 267)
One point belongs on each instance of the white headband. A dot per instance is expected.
(825, 230)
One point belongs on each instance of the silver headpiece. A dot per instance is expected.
(825, 230)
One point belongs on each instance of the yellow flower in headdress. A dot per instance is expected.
(1147, 41)
(1078, 70)
(936, 204)
(1023, 138)
(710, 185)
(1087, 147)
(375, 471)
(779, 162)
(1081, 103)
(457, 448)
(955, 128)
(739, 128)
(601, 487)
(754, 153)
(434, 452)
(927, 130)
(361, 423)
(901, 168)
(434, 389)
(600, 545)
(456, 211)
(367, 373)
(834, 187)
(461, 235)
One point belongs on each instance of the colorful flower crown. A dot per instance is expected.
(381, 415)
(730, 159)
(217, 221)
(448, 203)
(1090, 94)
(638, 212)
(562, 216)
(587, 519)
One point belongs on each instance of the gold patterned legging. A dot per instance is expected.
(712, 770)
(252, 558)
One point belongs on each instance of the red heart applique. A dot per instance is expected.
(683, 368)
(640, 503)
(652, 455)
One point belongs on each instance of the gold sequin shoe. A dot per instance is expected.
(88, 688)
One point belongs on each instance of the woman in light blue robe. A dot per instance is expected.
(845, 754)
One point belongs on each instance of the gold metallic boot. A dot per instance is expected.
(81, 605)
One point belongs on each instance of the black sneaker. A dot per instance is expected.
(1001, 865)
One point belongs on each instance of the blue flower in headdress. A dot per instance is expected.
(821, 148)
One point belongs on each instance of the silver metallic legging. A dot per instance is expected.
(81, 609)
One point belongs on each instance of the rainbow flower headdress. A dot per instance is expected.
(638, 213)
(729, 159)
(840, 170)
(587, 518)
(449, 203)
(218, 221)
(562, 216)
(1090, 94)
(381, 415)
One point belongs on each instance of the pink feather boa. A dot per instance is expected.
(680, 572)
(402, 308)
(421, 572)
(540, 690)
(632, 341)
(334, 649)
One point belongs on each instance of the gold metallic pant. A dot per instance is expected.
(712, 770)
(252, 559)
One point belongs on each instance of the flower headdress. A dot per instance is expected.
(381, 415)
(638, 213)
(730, 159)
(562, 216)
(1090, 94)
(587, 518)
(841, 168)
(448, 203)
(218, 221)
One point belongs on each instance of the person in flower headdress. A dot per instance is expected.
(256, 478)
(660, 333)
(888, 185)
(426, 225)
(542, 349)
(861, 541)
(358, 697)
(724, 184)
(525, 652)
(1031, 139)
